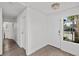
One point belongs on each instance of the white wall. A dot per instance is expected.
(53, 30)
(70, 47)
(38, 30)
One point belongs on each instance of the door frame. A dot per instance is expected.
(1, 30)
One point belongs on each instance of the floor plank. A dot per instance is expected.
(50, 51)
(12, 49)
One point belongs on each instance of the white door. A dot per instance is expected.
(21, 32)
(1, 33)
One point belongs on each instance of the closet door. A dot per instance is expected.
(1, 33)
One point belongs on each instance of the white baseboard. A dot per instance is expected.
(54, 45)
(36, 49)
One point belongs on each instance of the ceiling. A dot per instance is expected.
(46, 6)
(13, 9)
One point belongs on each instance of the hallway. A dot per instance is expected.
(12, 49)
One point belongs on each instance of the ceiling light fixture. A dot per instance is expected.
(55, 6)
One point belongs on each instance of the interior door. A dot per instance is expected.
(1, 33)
(21, 32)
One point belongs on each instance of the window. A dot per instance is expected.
(71, 28)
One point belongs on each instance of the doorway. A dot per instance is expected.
(9, 35)
(9, 30)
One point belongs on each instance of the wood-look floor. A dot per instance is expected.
(10, 48)
(50, 51)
